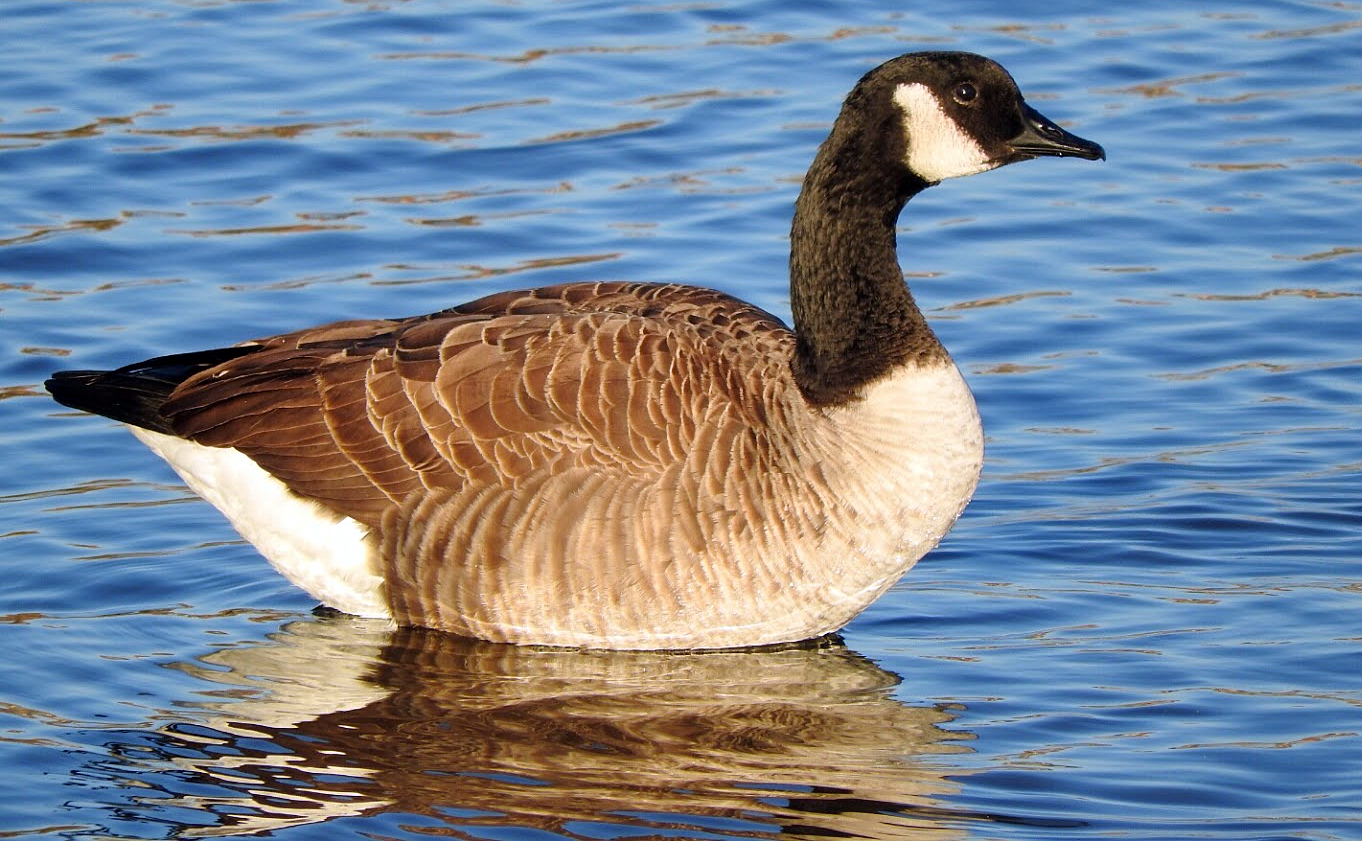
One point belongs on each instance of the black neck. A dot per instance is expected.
(854, 318)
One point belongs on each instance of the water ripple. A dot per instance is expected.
(1143, 626)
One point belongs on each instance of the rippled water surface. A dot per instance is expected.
(1145, 626)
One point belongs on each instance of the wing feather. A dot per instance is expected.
(623, 379)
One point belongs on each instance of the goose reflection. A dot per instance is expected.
(333, 718)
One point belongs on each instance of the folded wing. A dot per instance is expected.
(620, 378)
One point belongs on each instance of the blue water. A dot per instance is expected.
(1145, 626)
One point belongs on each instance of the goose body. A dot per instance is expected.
(620, 465)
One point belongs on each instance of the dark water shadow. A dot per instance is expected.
(332, 719)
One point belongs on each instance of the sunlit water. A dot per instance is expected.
(1145, 626)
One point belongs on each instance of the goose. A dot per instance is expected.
(620, 465)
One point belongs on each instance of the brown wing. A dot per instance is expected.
(615, 377)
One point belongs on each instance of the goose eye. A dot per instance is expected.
(965, 93)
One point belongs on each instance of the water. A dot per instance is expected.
(1145, 626)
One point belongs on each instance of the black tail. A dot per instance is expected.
(134, 393)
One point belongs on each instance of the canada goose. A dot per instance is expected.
(620, 465)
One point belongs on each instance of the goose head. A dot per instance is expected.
(959, 114)
(910, 123)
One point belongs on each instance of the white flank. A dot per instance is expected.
(937, 147)
(329, 556)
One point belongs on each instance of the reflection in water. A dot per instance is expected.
(340, 717)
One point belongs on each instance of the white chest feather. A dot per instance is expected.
(329, 556)
(913, 450)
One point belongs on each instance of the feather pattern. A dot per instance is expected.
(560, 464)
(620, 465)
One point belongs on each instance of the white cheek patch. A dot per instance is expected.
(937, 147)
